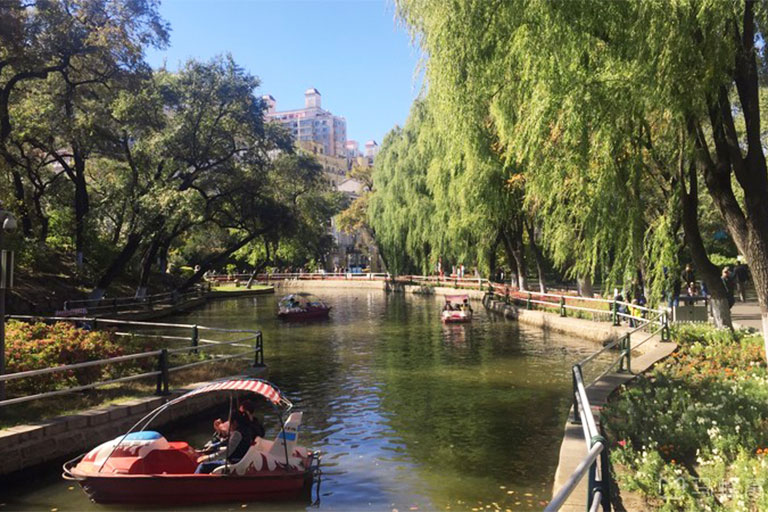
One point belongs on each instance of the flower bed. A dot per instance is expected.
(693, 433)
(34, 346)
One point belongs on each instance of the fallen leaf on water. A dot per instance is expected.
(528, 494)
(71, 488)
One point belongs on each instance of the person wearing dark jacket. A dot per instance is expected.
(688, 276)
(741, 275)
(238, 441)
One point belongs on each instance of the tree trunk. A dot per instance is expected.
(518, 251)
(146, 267)
(584, 284)
(492, 258)
(213, 260)
(21, 197)
(510, 257)
(81, 207)
(537, 255)
(162, 260)
(721, 313)
(117, 265)
(258, 268)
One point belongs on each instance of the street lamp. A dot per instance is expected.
(7, 225)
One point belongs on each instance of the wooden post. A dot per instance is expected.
(162, 378)
(195, 338)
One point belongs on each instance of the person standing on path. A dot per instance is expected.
(727, 280)
(688, 276)
(741, 275)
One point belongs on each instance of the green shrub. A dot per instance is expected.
(37, 346)
(699, 420)
(720, 260)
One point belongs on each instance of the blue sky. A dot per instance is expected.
(353, 52)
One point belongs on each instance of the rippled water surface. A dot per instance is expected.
(409, 413)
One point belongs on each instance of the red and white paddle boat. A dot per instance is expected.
(456, 309)
(142, 467)
(302, 306)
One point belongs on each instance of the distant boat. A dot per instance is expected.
(456, 309)
(302, 306)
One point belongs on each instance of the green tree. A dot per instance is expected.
(608, 106)
(84, 43)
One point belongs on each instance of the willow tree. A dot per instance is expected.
(455, 200)
(585, 93)
(401, 211)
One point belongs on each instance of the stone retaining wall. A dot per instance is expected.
(300, 284)
(601, 332)
(389, 286)
(27, 446)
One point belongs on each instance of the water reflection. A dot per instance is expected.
(408, 412)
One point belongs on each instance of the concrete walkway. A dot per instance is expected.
(747, 314)
(574, 447)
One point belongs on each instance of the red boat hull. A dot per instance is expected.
(189, 489)
(312, 314)
(457, 320)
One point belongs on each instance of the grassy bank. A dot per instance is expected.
(693, 433)
(232, 287)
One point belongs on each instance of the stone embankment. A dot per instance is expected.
(372, 284)
(27, 446)
(601, 332)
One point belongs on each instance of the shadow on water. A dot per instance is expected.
(409, 413)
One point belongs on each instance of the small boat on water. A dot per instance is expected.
(142, 467)
(456, 309)
(302, 306)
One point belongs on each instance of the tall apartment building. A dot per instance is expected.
(312, 124)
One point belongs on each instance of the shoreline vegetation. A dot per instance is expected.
(692, 434)
(34, 346)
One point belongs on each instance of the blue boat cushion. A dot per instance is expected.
(146, 435)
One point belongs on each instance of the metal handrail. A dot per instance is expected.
(256, 350)
(584, 466)
(75, 366)
(597, 446)
(116, 303)
(599, 487)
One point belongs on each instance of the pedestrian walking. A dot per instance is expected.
(741, 275)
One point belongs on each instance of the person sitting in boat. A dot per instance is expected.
(448, 306)
(246, 414)
(465, 305)
(238, 441)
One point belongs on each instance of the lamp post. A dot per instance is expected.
(7, 225)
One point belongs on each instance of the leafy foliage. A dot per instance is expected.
(37, 346)
(697, 421)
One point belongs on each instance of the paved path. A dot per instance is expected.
(747, 314)
(574, 447)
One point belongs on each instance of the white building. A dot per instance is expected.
(312, 123)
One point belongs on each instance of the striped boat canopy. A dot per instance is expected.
(258, 386)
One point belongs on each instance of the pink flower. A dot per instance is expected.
(622, 443)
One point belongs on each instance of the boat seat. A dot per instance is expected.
(253, 455)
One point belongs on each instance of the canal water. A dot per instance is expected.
(409, 413)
